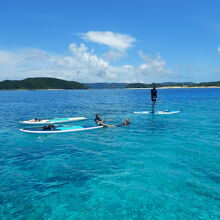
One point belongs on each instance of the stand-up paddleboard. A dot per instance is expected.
(59, 129)
(52, 120)
(158, 112)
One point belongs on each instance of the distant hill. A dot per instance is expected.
(139, 85)
(41, 83)
(106, 85)
(174, 84)
(216, 83)
(53, 83)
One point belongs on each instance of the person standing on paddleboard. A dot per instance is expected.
(153, 98)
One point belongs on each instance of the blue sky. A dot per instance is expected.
(110, 41)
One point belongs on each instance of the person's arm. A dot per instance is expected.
(100, 123)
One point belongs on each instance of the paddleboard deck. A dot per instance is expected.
(52, 120)
(59, 129)
(158, 112)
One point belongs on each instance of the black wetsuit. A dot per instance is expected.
(98, 120)
(154, 95)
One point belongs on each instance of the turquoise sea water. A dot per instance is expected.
(162, 167)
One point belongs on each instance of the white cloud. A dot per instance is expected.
(153, 67)
(81, 65)
(6, 58)
(114, 40)
(113, 55)
(117, 43)
(218, 49)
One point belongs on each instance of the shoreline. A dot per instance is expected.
(174, 87)
(36, 89)
(180, 87)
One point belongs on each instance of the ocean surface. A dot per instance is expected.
(162, 167)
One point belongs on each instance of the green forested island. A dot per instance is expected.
(53, 83)
(40, 83)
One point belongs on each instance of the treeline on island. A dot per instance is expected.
(41, 83)
(174, 84)
(53, 83)
(106, 85)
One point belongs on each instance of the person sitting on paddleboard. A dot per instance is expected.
(99, 121)
(153, 98)
(35, 119)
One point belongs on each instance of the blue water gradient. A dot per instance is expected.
(162, 167)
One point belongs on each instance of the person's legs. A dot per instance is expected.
(153, 106)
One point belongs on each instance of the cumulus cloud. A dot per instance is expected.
(113, 55)
(153, 67)
(117, 43)
(114, 40)
(81, 65)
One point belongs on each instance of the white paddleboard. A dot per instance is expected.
(52, 121)
(158, 112)
(59, 129)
